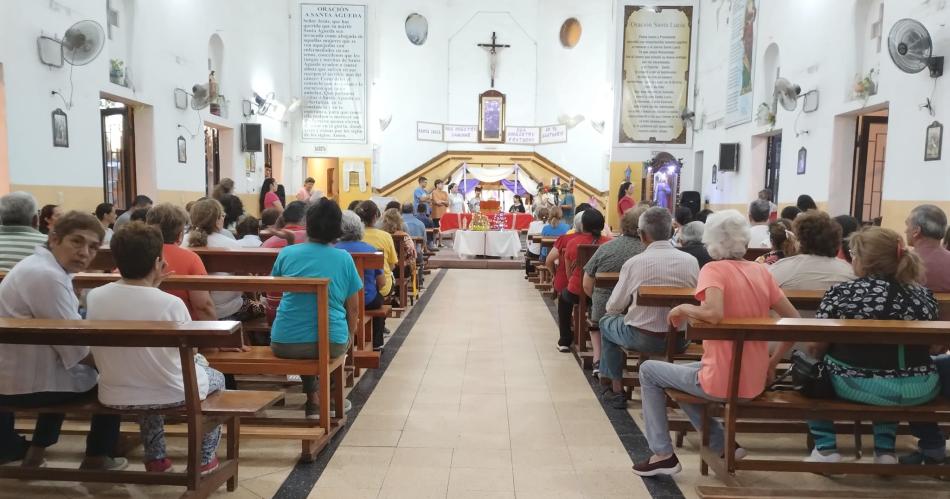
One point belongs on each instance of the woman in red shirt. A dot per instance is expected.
(591, 232)
(268, 196)
(625, 198)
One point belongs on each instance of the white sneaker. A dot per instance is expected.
(563, 349)
(294, 378)
(818, 457)
(885, 459)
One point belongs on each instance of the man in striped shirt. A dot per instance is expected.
(18, 234)
(636, 327)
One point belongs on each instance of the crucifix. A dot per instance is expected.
(493, 55)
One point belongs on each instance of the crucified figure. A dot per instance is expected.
(493, 55)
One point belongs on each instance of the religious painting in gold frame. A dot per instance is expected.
(491, 116)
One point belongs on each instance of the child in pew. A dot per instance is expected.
(146, 378)
(248, 231)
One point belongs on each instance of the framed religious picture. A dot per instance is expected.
(491, 116)
(934, 145)
(60, 128)
(715, 171)
(802, 161)
(182, 150)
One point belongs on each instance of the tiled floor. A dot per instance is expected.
(478, 404)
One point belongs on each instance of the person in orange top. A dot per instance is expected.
(592, 228)
(171, 220)
(729, 288)
(439, 200)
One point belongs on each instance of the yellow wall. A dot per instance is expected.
(181, 198)
(317, 168)
(894, 213)
(69, 197)
(618, 171)
(344, 198)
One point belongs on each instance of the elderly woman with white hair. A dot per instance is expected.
(729, 288)
(690, 240)
(374, 280)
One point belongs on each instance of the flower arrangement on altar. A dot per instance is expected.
(498, 221)
(479, 222)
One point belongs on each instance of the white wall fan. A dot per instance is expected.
(80, 45)
(911, 48)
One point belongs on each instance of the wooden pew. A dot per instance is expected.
(229, 406)
(582, 310)
(791, 405)
(402, 282)
(261, 360)
(366, 261)
(546, 279)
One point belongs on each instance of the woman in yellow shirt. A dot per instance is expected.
(381, 240)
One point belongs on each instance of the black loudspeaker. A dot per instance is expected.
(252, 139)
(691, 200)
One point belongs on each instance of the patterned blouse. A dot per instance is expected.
(872, 298)
(610, 257)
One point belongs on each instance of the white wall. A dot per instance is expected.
(440, 80)
(166, 46)
(824, 45)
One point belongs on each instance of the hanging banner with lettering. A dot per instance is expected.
(741, 53)
(333, 73)
(528, 135)
(431, 132)
(553, 134)
(654, 83)
(460, 133)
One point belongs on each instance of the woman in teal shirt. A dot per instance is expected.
(294, 332)
(554, 228)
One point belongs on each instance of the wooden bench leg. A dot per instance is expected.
(233, 451)
(704, 441)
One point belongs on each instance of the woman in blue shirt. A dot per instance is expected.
(373, 279)
(554, 228)
(294, 332)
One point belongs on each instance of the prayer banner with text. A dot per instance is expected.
(655, 65)
(741, 52)
(333, 73)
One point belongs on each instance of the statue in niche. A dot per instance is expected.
(662, 192)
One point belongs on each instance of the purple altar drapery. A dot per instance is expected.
(515, 187)
(467, 185)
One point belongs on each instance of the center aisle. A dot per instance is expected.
(478, 403)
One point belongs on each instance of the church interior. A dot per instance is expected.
(474, 249)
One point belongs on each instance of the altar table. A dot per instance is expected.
(453, 221)
(500, 243)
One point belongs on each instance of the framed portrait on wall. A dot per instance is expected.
(182, 149)
(60, 128)
(715, 173)
(933, 148)
(802, 161)
(491, 116)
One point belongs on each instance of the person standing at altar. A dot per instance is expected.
(517, 205)
(625, 201)
(420, 195)
(440, 202)
(456, 200)
(475, 204)
(567, 204)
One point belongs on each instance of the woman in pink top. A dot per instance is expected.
(729, 288)
(268, 196)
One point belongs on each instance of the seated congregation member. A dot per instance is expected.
(49, 214)
(640, 328)
(353, 204)
(423, 216)
(147, 378)
(593, 233)
(888, 375)
(223, 188)
(141, 201)
(413, 226)
(170, 220)
(766, 195)
(728, 288)
(556, 227)
(139, 215)
(681, 216)
(533, 249)
(207, 220)
(555, 264)
(849, 225)
(294, 220)
(373, 279)
(39, 375)
(610, 257)
(105, 212)
(790, 213)
(382, 241)
(233, 211)
(691, 241)
(18, 234)
(759, 217)
(249, 232)
(703, 215)
(783, 241)
(294, 332)
(923, 228)
(816, 265)
(806, 203)
(394, 224)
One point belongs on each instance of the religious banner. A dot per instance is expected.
(654, 82)
(741, 54)
(460, 133)
(528, 135)
(553, 134)
(333, 73)
(429, 131)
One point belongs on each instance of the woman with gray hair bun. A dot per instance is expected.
(373, 279)
(690, 241)
(728, 288)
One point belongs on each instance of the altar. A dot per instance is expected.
(453, 221)
(496, 243)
